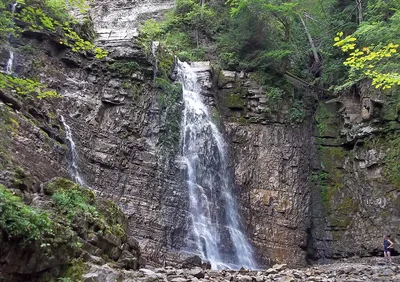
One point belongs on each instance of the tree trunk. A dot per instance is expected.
(311, 41)
(360, 11)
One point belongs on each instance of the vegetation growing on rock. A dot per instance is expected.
(47, 16)
(51, 18)
(20, 221)
(25, 87)
(70, 222)
(169, 101)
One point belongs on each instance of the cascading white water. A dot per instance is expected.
(154, 48)
(73, 165)
(215, 232)
(10, 61)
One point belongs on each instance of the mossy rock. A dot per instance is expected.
(62, 184)
(234, 101)
(327, 120)
(77, 222)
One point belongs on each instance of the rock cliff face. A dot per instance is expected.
(305, 190)
(271, 159)
(112, 109)
(356, 195)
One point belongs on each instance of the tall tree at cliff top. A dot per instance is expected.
(273, 37)
(372, 47)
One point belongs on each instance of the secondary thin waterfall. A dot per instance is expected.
(154, 48)
(216, 231)
(10, 61)
(73, 165)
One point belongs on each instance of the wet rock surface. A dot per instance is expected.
(271, 169)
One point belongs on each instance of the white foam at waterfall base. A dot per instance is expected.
(73, 165)
(213, 211)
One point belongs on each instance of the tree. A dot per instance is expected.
(359, 5)
(365, 61)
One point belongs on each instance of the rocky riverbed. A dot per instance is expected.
(337, 272)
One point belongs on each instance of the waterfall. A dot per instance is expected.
(73, 165)
(215, 233)
(10, 61)
(154, 48)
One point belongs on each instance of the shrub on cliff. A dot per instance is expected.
(51, 16)
(20, 221)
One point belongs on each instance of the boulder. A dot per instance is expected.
(196, 272)
(148, 275)
(245, 278)
(129, 263)
(279, 267)
(133, 243)
(271, 271)
(192, 262)
(91, 277)
(179, 279)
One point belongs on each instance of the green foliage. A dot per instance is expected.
(26, 87)
(364, 62)
(278, 100)
(72, 200)
(123, 68)
(21, 221)
(51, 16)
(297, 112)
(181, 32)
(151, 30)
(275, 98)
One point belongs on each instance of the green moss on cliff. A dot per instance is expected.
(75, 271)
(123, 68)
(6, 132)
(344, 210)
(234, 101)
(170, 104)
(391, 109)
(169, 101)
(388, 144)
(392, 159)
(339, 204)
(326, 120)
(331, 177)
